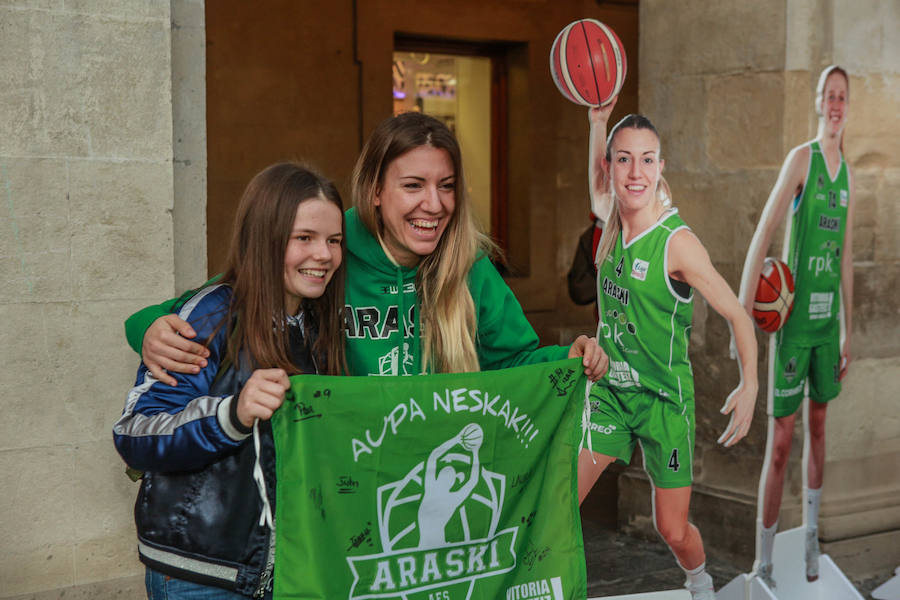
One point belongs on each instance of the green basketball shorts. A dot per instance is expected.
(665, 430)
(794, 364)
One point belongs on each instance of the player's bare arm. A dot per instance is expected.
(790, 182)
(689, 262)
(599, 186)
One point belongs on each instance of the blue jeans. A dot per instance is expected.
(165, 587)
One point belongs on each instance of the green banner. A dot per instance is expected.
(437, 487)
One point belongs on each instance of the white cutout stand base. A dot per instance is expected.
(666, 595)
(789, 574)
(890, 589)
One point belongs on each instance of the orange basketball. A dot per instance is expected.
(587, 62)
(774, 296)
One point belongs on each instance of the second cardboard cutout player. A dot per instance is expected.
(815, 191)
(649, 262)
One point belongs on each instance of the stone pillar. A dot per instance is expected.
(731, 92)
(189, 141)
(88, 187)
(860, 520)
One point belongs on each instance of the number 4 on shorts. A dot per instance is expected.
(673, 460)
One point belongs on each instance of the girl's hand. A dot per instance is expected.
(594, 359)
(740, 404)
(262, 395)
(166, 347)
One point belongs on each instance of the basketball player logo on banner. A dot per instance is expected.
(422, 549)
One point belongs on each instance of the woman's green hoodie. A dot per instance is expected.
(382, 317)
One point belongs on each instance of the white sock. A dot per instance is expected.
(697, 578)
(812, 507)
(766, 542)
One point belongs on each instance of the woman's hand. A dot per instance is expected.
(740, 404)
(594, 359)
(600, 114)
(166, 348)
(845, 362)
(262, 395)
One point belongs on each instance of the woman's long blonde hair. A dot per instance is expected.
(663, 194)
(446, 311)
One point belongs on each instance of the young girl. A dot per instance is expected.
(648, 264)
(422, 295)
(815, 182)
(203, 515)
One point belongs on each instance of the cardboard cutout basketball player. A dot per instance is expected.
(649, 264)
(814, 192)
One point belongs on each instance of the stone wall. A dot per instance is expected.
(87, 136)
(731, 94)
(861, 498)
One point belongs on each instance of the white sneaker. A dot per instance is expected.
(764, 573)
(812, 554)
(701, 590)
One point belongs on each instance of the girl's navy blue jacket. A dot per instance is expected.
(198, 511)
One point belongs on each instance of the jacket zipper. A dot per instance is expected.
(265, 579)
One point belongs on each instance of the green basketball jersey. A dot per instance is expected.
(815, 237)
(645, 323)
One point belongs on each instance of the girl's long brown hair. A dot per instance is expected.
(255, 273)
(446, 309)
